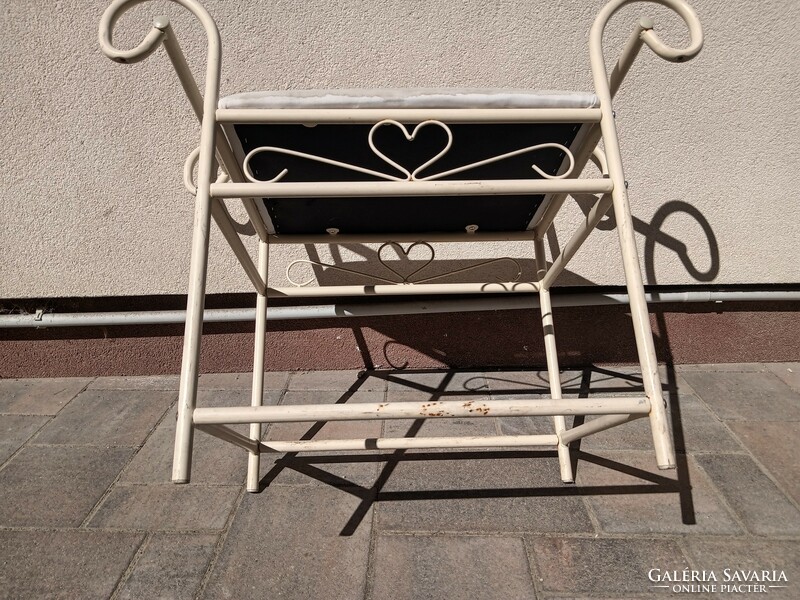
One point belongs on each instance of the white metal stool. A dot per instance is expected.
(404, 168)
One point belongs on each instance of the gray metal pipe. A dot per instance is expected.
(409, 307)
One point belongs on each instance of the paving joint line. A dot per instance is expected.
(222, 537)
(85, 523)
(49, 419)
(533, 569)
(723, 500)
(25, 444)
(369, 582)
(223, 534)
(763, 468)
(123, 578)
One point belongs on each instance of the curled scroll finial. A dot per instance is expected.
(667, 52)
(650, 37)
(146, 47)
(154, 37)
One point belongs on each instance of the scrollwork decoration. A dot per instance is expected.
(407, 175)
(397, 277)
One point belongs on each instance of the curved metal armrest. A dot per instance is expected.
(162, 33)
(204, 105)
(643, 33)
(156, 35)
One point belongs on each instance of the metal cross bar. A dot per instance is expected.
(334, 189)
(417, 410)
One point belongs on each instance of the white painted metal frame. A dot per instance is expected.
(235, 181)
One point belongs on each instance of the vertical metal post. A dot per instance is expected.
(665, 452)
(184, 432)
(254, 457)
(553, 374)
(182, 457)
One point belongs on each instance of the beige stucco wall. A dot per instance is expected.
(90, 186)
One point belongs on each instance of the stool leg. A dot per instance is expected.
(254, 458)
(662, 441)
(187, 396)
(553, 373)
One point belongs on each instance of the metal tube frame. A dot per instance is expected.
(216, 151)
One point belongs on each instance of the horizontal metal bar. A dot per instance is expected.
(419, 410)
(595, 426)
(405, 289)
(336, 189)
(343, 238)
(373, 115)
(495, 441)
(229, 435)
(412, 307)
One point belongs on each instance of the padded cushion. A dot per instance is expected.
(411, 98)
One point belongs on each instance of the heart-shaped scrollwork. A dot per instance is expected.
(410, 175)
(405, 252)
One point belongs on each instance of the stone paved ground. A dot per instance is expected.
(86, 510)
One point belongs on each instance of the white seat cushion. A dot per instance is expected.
(411, 98)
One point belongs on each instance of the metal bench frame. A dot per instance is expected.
(215, 152)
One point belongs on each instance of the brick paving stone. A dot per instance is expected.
(273, 380)
(470, 492)
(437, 384)
(336, 468)
(700, 430)
(509, 383)
(749, 554)
(63, 564)
(39, 396)
(213, 461)
(573, 597)
(722, 368)
(440, 427)
(47, 486)
(293, 397)
(629, 494)
(450, 567)
(170, 567)
(137, 382)
(529, 425)
(621, 380)
(336, 381)
(746, 396)
(762, 507)
(107, 417)
(789, 373)
(774, 444)
(15, 431)
(287, 543)
(6, 451)
(166, 507)
(601, 566)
